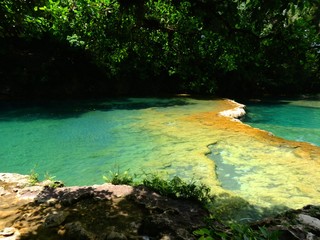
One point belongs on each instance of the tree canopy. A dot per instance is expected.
(231, 48)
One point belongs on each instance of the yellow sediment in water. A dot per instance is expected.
(271, 171)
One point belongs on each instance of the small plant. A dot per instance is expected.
(33, 177)
(237, 232)
(118, 178)
(48, 176)
(208, 234)
(177, 188)
(52, 182)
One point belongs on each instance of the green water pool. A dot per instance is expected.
(79, 142)
(297, 120)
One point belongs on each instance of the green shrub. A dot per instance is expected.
(237, 232)
(33, 177)
(177, 188)
(118, 178)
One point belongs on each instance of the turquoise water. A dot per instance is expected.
(79, 142)
(297, 120)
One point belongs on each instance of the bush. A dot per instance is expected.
(177, 188)
(118, 178)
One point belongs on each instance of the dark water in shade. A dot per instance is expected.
(297, 120)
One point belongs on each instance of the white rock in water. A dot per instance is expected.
(234, 113)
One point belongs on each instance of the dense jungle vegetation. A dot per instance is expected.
(80, 48)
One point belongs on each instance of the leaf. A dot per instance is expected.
(202, 231)
(264, 231)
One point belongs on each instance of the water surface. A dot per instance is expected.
(78, 142)
(297, 120)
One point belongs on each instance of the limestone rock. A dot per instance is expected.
(310, 221)
(8, 231)
(236, 113)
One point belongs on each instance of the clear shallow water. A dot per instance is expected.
(79, 142)
(297, 120)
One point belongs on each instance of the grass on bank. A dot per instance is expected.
(34, 179)
(179, 189)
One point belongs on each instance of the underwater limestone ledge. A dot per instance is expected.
(302, 149)
(106, 211)
(270, 171)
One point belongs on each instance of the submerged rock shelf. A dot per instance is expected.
(265, 170)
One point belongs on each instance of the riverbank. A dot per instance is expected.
(41, 211)
(95, 212)
(271, 173)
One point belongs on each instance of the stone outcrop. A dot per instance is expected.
(118, 212)
(236, 113)
(301, 224)
(95, 212)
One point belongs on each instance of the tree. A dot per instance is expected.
(238, 47)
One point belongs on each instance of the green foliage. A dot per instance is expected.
(119, 178)
(237, 232)
(33, 177)
(177, 188)
(48, 176)
(195, 46)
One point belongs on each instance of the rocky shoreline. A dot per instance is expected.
(95, 212)
(107, 211)
(48, 210)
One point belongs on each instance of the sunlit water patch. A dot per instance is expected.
(78, 142)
